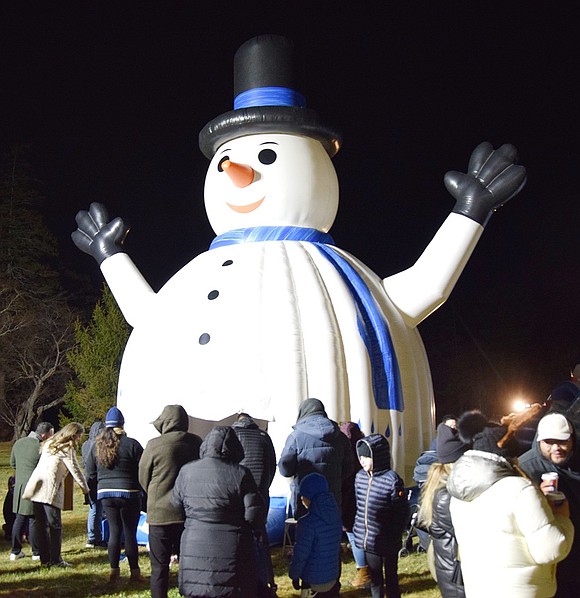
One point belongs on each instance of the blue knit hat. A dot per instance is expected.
(114, 418)
(313, 484)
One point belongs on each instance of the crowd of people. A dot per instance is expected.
(499, 521)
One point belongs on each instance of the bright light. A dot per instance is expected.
(519, 405)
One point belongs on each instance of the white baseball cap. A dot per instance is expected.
(554, 426)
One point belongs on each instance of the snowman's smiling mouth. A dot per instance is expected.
(246, 209)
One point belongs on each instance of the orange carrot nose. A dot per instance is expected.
(241, 175)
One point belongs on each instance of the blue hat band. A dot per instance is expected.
(269, 96)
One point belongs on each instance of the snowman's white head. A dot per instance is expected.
(271, 179)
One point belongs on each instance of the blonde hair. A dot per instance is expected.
(66, 439)
(436, 479)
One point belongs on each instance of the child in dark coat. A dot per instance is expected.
(382, 514)
(316, 556)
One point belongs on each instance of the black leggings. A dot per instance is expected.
(123, 516)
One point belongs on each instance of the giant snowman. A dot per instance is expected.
(274, 312)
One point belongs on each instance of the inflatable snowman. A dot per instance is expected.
(274, 312)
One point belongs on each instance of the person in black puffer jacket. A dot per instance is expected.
(260, 459)
(222, 507)
(382, 514)
(316, 445)
(435, 516)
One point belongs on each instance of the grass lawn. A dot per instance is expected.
(89, 575)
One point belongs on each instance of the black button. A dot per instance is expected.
(213, 295)
(228, 263)
(204, 339)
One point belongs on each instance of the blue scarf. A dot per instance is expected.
(372, 325)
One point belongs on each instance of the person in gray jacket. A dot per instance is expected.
(159, 466)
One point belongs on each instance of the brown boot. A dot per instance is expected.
(114, 575)
(362, 579)
(136, 575)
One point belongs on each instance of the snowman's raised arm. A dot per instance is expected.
(103, 240)
(492, 180)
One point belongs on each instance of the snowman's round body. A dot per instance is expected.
(261, 325)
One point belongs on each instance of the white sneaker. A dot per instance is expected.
(35, 557)
(90, 545)
(15, 557)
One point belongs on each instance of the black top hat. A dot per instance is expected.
(265, 100)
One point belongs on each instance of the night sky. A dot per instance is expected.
(111, 97)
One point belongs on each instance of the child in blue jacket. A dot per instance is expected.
(316, 556)
(382, 514)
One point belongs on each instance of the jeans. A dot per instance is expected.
(390, 581)
(48, 532)
(163, 542)
(357, 553)
(123, 516)
(21, 523)
(95, 522)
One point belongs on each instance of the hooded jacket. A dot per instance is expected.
(161, 461)
(509, 539)
(316, 551)
(382, 508)
(316, 445)
(222, 508)
(535, 464)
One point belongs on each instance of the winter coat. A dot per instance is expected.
(534, 464)
(161, 461)
(123, 477)
(24, 458)
(382, 508)
(353, 434)
(445, 551)
(509, 539)
(259, 454)
(46, 484)
(222, 508)
(86, 449)
(316, 552)
(316, 446)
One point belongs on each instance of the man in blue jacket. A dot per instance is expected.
(316, 445)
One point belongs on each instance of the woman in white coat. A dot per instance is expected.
(45, 489)
(510, 539)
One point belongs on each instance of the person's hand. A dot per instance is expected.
(88, 500)
(296, 584)
(547, 486)
(492, 180)
(97, 236)
(560, 508)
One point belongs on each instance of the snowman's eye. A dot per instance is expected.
(220, 169)
(267, 156)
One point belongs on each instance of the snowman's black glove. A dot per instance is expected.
(492, 180)
(96, 235)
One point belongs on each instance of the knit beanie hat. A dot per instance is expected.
(449, 445)
(114, 418)
(313, 484)
(469, 424)
(487, 440)
(363, 449)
